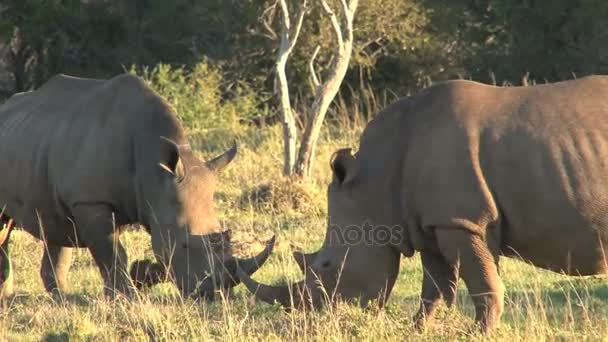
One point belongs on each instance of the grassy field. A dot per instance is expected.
(540, 305)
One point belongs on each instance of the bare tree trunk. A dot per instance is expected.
(40, 67)
(324, 93)
(327, 91)
(289, 122)
(19, 60)
(289, 37)
(19, 54)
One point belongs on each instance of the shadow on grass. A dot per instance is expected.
(56, 337)
(573, 301)
(26, 299)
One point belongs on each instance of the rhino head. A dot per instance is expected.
(359, 258)
(190, 246)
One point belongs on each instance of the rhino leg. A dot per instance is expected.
(97, 226)
(478, 269)
(440, 281)
(6, 271)
(55, 266)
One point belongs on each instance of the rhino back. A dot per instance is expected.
(547, 166)
(71, 142)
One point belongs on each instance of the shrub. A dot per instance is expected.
(198, 95)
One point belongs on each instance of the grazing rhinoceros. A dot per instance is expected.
(462, 173)
(82, 158)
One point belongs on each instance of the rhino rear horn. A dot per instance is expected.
(218, 163)
(304, 259)
(250, 265)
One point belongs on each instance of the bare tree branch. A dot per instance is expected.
(334, 23)
(326, 92)
(345, 16)
(348, 15)
(352, 7)
(293, 36)
(285, 11)
(311, 67)
(267, 18)
(289, 37)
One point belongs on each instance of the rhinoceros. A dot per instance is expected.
(80, 159)
(463, 173)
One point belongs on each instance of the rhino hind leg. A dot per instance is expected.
(478, 269)
(6, 271)
(54, 268)
(440, 281)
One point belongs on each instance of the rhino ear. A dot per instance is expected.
(343, 166)
(221, 237)
(220, 162)
(169, 155)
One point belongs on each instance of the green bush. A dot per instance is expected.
(198, 95)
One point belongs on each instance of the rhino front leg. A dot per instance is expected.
(478, 269)
(6, 271)
(440, 281)
(55, 267)
(96, 224)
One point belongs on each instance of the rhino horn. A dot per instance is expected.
(248, 266)
(304, 259)
(218, 163)
(145, 273)
(288, 296)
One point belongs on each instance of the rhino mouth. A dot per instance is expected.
(233, 271)
(147, 273)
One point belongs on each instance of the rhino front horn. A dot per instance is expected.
(248, 266)
(288, 296)
(146, 273)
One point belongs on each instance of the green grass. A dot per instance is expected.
(539, 305)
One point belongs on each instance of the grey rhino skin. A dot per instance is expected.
(81, 158)
(463, 173)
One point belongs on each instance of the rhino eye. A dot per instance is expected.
(184, 245)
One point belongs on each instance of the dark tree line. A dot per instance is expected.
(401, 45)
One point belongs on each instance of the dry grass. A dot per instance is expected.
(540, 305)
(278, 195)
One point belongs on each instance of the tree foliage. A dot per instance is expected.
(550, 40)
(401, 45)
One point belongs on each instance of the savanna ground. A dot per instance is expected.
(540, 305)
